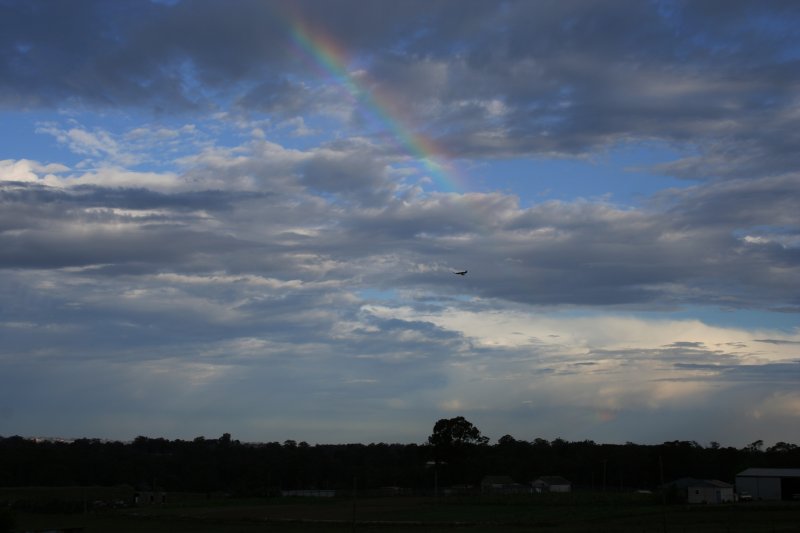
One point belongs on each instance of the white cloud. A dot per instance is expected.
(297, 127)
(31, 171)
(95, 144)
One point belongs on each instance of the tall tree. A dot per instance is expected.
(454, 442)
(453, 432)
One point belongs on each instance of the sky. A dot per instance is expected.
(244, 217)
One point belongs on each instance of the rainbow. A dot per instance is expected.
(331, 57)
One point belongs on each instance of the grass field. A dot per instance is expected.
(474, 514)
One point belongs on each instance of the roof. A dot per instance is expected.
(552, 480)
(690, 482)
(719, 484)
(497, 480)
(770, 472)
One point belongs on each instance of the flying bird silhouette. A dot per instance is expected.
(462, 273)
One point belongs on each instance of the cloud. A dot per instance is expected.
(81, 141)
(348, 174)
(604, 373)
(214, 225)
(25, 170)
(524, 79)
(776, 341)
(727, 243)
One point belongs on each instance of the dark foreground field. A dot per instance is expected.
(474, 514)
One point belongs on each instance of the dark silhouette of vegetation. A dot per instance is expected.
(453, 433)
(7, 520)
(456, 445)
(254, 469)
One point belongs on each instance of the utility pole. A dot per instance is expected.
(435, 464)
(436, 482)
(663, 494)
(355, 492)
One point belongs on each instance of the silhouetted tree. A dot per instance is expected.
(755, 446)
(251, 469)
(456, 442)
(451, 433)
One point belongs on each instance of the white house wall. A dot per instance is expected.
(709, 495)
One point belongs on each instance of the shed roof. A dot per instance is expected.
(719, 484)
(497, 480)
(770, 472)
(690, 482)
(552, 480)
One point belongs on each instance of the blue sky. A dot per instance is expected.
(245, 219)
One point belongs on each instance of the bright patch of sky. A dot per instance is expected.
(623, 176)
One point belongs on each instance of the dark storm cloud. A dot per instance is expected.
(777, 341)
(350, 175)
(490, 79)
(55, 52)
(777, 374)
(48, 227)
(124, 198)
(687, 344)
(56, 249)
(737, 204)
(130, 53)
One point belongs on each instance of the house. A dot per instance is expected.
(551, 484)
(501, 485)
(694, 490)
(769, 483)
(309, 493)
(149, 497)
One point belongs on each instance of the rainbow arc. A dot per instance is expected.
(331, 57)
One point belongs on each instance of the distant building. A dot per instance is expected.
(502, 485)
(769, 483)
(552, 484)
(309, 493)
(149, 497)
(703, 490)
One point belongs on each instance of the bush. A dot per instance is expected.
(8, 520)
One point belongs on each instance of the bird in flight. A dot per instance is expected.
(462, 273)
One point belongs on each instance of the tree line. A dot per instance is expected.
(455, 454)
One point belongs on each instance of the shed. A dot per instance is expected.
(502, 485)
(769, 483)
(703, 490)
(552, 484)
(309, 493)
